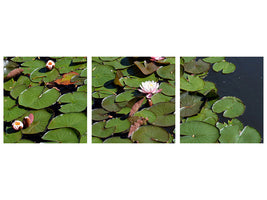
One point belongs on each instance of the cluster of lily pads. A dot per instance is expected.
(200, 105)
(52, 91)
(133, 99)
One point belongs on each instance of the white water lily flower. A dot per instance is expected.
(50, 64)
(17, 125)
(149, 88)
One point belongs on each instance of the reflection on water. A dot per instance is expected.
(245, 83)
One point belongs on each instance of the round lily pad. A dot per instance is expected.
(163, 112)
(208, 87)
(99, 114)
(40, 122)
(126, 96)
(100, 131)
(12, 136)
(205, 115)
(213, 59)
(167, 72)
(226, 67)
(38, 97)
(96, 140)
(167, 89)
(198, 132)
(109, 104)
(189, 104)
(136, 81)
(231, 106)
(15, 92)
(30, 66)
(159, 97)
(102, 74)
(11, 110)
(196, 67)
(105, 91)
(150, 134)
(192, 83)
(73, 102)
(61, 135)
(232, 134)
(77, 121)
(119, 124)
(117, 140)
(43, 74)
(146, 114)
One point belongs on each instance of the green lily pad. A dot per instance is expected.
(119, 124)
(25, 141)
(38, 97)
(232, 134)
(84, 73)
(17, 90)
(146, 114)
(109, 104)
(167, 72)
(117, 140)
(96, 140)
(105, 91)
(231, 106)
(102, 74)
(99, 130)
(187, 59)
(126, 96)
(108, 58)
(43, 74)
(136, 81)
(12, 136)
(82, 88)
(11, 110)
(83, 138)
(205, 115)
(226, 67)
(167, 89)
(73, 102)
(213, 59)
(30, 66)
(77, 121)
(198, 132)
(40, 122)
(158, 98)
(22, 59)
(196, 67)
(79, 59)
(150, 134)
(11, 84)
(118, 64)
(61, 135)
(99, 114)
(189, 104)
(192, 83)
(163, 114)
(124, 111)
(208, 87)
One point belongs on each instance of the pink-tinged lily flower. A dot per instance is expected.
(149, 88)
(156, 58)
(17, 125)
(50, 64)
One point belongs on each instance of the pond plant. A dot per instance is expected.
(45, 100)
(200, 105)
(133, 99)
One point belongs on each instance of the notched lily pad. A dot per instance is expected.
(231, 106)
(109, 104)
(189, 104)
(117, 140)
(12, 110)
(38, 97)
(196, 67)
(213, 59)
(232, 134)
(99, 130)
(119, 124)
(226, 67)
(61, 135)
(73, 102)
(167, 72)
(99, 114)
(205, 115)
(102, 74)
(198, 132)
(146, 68)
(150, 134)
(191, 83)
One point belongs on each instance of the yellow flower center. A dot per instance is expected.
(17, 123)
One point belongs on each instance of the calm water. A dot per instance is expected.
(245, 83)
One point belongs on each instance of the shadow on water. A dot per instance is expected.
(245, 83)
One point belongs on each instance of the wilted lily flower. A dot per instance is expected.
(156, 58)
(149, 88)
(50, 64)
(17, 125)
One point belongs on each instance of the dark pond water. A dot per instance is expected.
(245, 83)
